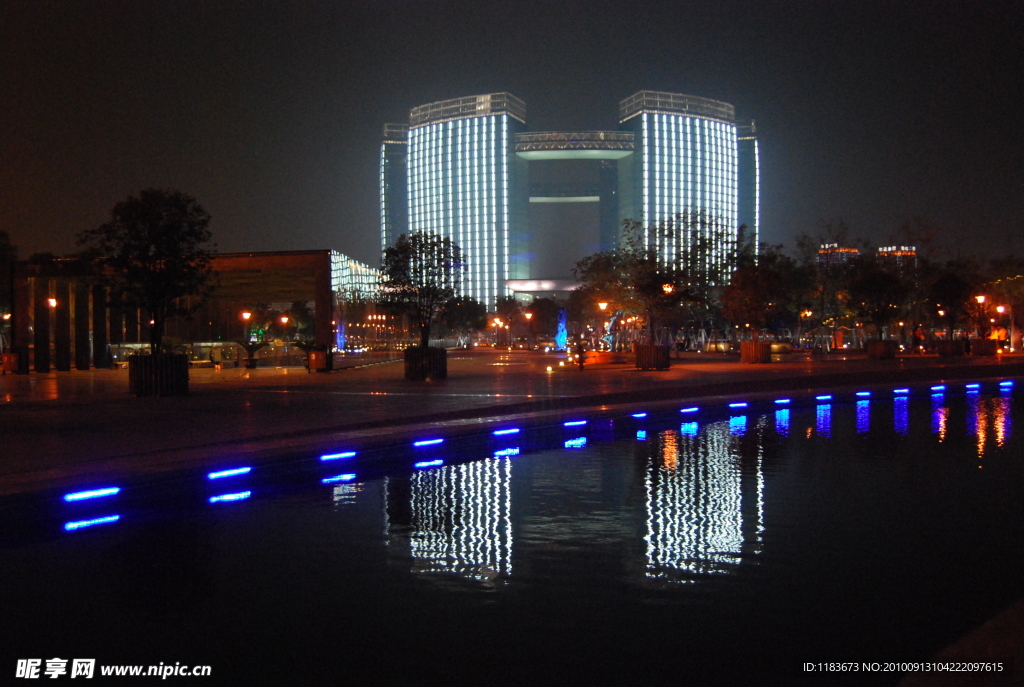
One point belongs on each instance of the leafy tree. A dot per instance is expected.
(950, 291)
(419, 274)
(766, 291)
(544, 322)
(636, 276)
(153, 254)
(463, 315)
(876, 294)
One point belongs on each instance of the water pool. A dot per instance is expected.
(721, 545)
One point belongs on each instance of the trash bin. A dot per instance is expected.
(318, 361)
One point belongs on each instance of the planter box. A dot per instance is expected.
(318, 361)
(984, 347)
(755, 352)
(162, 374)
(422, 364)
(882, 350)
(651, 356)
(948, 349)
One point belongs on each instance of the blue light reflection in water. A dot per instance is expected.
(688, 429)
(863, 416)
(507, 452)
(347, 477)
(782, 421)
(82, 524)
(823, 420)
(738, 424)
(901, 415)
(427, 464)
(225, 498)
(578, 442)
(641, 435)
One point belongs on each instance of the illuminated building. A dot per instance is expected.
(461, 179)
(684, 164)
(748, 159)
(470, 176)
(900, 259)
(87, 331)
(832, 255)
(394, 194)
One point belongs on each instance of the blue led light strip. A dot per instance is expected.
(689, 410)
(91, 494)
(229, 473)
(428, 442)
(639, 415)
(737, 405)
(501, 432)
(575, 423)
(338, 456)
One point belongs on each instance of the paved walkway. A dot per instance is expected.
(67, 428)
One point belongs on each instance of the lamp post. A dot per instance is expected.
(1002, 310)
(529, 329)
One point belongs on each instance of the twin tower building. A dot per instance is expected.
(525, 206)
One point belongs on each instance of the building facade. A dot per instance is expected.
(678, 162)
(62, 319)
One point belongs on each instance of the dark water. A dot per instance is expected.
(724, 546)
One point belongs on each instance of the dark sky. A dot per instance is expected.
(270, 112)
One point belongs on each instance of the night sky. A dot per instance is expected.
(270, 113)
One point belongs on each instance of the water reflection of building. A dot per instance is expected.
(704, 511)
(457, 518)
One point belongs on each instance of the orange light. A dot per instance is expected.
(529, 315)
(52, 302)
(246, 315)
(602, 306)
(284, 319)
(980, 299)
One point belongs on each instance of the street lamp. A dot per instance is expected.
(1002, 309)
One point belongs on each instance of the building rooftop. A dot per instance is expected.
(470, 106)
(675, 103)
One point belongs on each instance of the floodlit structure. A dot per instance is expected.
(473, 174)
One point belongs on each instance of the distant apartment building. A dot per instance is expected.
(832, 255)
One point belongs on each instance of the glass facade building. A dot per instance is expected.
(461, 180)
(684, 178)
(749, 178)
(678, 162)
